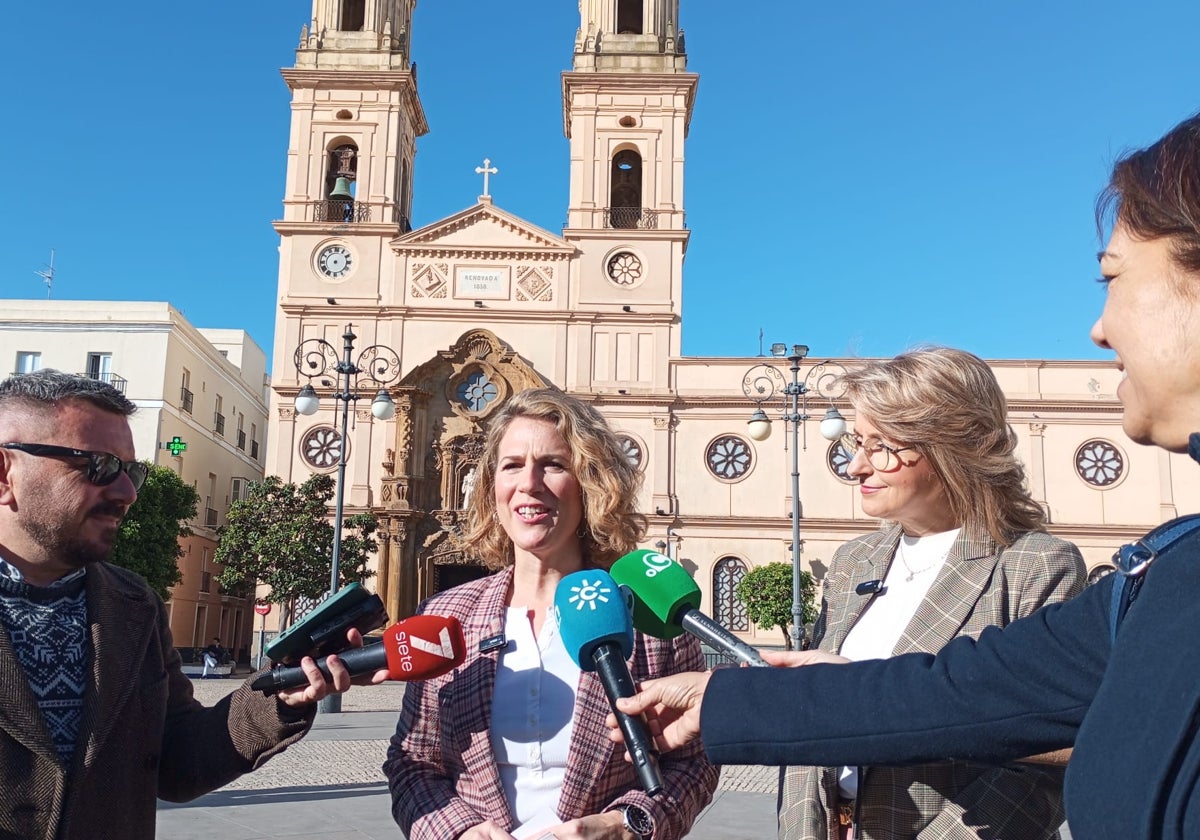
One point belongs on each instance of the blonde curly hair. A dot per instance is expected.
(608, 483)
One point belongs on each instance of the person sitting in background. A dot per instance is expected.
(212, 657)
(963, 547)
(97, 715)
(512, 743)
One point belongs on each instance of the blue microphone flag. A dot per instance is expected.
(591, 611)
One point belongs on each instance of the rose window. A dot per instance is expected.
(839, 462)
(728, 457)
(1099, 463)
(632, 450)
(321, 447)
(476, 391)
(624, 269)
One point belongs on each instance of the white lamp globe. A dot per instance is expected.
(307, 401)
(759, 425)
(834, 424)
(382, 406)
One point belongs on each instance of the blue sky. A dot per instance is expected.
(860, 177)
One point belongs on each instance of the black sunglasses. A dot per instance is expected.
(102, 467)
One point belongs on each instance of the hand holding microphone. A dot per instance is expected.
(417, 648)
(598, 634)
(666, 602)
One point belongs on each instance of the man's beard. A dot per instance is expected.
(71, 549)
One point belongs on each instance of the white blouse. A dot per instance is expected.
(910, 575)
(533, 706)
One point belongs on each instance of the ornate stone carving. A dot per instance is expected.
(287, 412)
(535, 282)
(429, 280)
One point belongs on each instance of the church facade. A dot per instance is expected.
(454, 316)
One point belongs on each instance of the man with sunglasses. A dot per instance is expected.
(97, 718)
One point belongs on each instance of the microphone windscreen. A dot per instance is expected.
(424, 646)
(661, 588)
(591, 611)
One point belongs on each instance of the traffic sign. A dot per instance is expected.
(262, 608)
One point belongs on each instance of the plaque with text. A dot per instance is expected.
(476, 283)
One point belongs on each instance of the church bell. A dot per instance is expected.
(341, 189)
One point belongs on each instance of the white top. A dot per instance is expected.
(532, 710)
(878, 630)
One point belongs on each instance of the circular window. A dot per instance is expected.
(624, 268)
(321, 447)
(728, 457)
(632, 450)
(477, 391)
(1099, 463)
(839, 460)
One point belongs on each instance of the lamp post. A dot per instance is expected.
(761, 383)
(377, 367)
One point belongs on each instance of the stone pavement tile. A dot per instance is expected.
(330, 785)
(733, 815)
(334, 812)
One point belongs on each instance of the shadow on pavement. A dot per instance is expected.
(265, 796)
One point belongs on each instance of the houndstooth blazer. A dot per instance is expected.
(980, 584)
(440, 766)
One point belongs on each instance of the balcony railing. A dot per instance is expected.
(241, 439)
(210, 517)
(118, 382)
(185, 399)
(254, 449)
(348, 211)
(219, 423)
(631, 218)
(340, 210)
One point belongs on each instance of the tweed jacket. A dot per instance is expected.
(142, 733)
(981, 584)
(440, 765)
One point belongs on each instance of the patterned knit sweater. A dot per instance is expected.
(49, 632)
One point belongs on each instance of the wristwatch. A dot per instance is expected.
(637, 822)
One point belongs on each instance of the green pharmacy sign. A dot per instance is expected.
(176, 445)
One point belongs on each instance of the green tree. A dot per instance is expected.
(148, 539)
(767, 593)
(281, 535)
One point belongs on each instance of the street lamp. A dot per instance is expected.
(761, 383)
(377, 367)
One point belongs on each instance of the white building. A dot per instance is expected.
(205, 387)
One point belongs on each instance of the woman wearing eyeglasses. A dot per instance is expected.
(962, 546)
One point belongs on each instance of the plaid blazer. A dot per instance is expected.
(440, 766)
(980, 584)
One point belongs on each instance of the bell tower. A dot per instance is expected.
(355, 120)
(356, 116)
(627, 104)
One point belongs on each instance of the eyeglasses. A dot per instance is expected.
(102, 467)
(881, 456)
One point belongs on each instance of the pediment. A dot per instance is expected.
(483, 228)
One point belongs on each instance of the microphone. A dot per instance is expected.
(870, 587)
(595, 626)
(666, 602)
(418, 648)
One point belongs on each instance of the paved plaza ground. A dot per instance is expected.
(329, 786)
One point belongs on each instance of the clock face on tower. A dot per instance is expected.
(334, 261)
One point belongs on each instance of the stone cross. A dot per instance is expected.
(486, 170)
